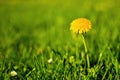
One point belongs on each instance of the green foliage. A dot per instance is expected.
(32, 32)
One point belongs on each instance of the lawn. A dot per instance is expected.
(36, 42)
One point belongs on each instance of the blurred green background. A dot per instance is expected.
(28, 26)
(45, 21)
(50, 20)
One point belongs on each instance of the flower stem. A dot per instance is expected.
(84, 43)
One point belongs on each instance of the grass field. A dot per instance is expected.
(36, 41)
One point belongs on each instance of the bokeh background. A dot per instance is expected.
(49, 20)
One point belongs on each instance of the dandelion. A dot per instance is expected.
(80, 26)
(13, 73)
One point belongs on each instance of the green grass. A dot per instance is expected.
(32, 32)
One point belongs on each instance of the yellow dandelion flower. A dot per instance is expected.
(80, 25)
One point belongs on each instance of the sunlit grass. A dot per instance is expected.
(36, 42)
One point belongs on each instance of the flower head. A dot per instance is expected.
(50, 60)
(13, 73)
(80, 25)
